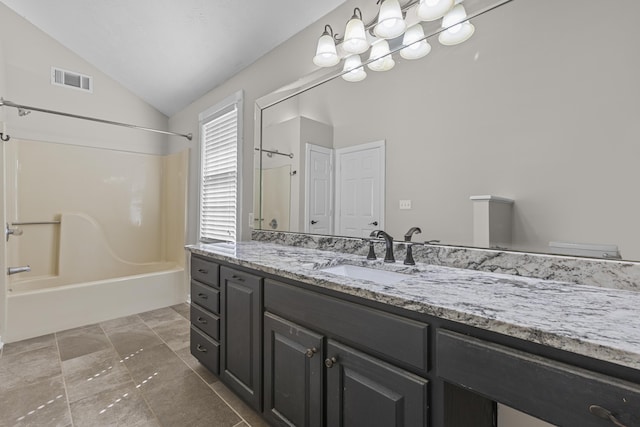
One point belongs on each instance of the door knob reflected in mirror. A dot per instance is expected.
(374, 223)
(313, 222)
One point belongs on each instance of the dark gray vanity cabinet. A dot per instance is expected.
(241, 334)
(559, 393)
(304, 342)
(293, 374)
(364, 391)
(205, 310)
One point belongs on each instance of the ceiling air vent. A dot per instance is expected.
(71, 79)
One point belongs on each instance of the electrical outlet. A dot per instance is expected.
(405, 204)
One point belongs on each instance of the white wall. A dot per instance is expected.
(28, 55)
(286, 63)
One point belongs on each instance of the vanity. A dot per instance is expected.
(308, 347)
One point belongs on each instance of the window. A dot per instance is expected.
(220, 138)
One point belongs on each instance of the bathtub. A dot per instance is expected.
(32, 311)
(90, 284)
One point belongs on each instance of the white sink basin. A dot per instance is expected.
(382, 277)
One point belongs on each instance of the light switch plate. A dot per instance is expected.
(405, 204)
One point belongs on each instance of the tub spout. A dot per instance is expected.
(16, 270)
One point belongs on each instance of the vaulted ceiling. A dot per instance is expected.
(171, 52)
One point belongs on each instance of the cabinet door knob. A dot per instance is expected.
(202, 320)
(330, 362)
(201, 348)
(238, 278)
(203, 296)
(313, 222)
(374, 223)
(605, 414)
(310, 352)
(203, 271)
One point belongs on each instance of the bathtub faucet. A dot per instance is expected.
(16, 270)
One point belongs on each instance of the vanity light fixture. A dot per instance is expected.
(456, 31)
(390, 20)
(430, 10)
(326, 54)
(415, 42)
(355, 70)
(355, 37)
(381, 55)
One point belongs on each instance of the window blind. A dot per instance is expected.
(219, 181)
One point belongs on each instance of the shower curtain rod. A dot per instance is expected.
(25, 109)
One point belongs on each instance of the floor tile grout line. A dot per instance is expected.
(133, 381)
(64, 379)
(192, 370)
(230, 406)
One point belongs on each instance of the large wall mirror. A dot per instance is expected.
(526, 134)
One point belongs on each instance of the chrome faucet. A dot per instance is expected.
(388, 241)
(16, 270)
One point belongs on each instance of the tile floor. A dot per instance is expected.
(131, 371)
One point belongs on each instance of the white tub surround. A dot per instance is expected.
(44, 311)
(596, 322)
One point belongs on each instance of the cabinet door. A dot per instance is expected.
(364, 391)
(292, 374)
(241, 334)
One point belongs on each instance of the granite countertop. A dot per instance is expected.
(592, 321)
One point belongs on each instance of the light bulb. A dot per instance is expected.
(457, 31)
(355, 38)
(430, 10)
(390, 22)
(326, 54)
(383, 60)
(415, 42)
(355, 70)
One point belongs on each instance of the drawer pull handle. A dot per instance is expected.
(605, 414)
(201, 348)
(330, 362)
(238, 278)
(203, 296)
(203, 271)
(202, 320)
(310, 352)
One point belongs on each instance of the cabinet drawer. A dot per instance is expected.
(402, 341)
(204, 271)
(205, 296)
(555, 392)
(209, 323)
(233, 275)
(206, 350)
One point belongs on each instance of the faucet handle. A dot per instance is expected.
(372, 253)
